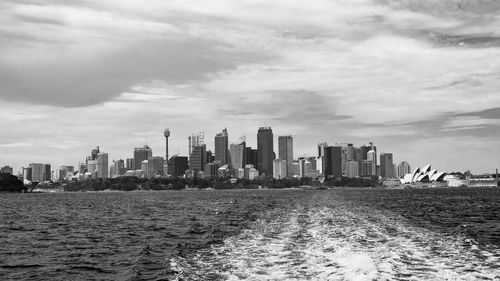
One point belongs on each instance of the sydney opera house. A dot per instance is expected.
(424, 175)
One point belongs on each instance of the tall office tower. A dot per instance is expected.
(371, 157)
(403, 169)
(7, 170)
(347, 155)
(333, 161)
(130, 164)
(102, 165)
(144, 168)
(66, 171)
(27, 173)
(141, 154)
(321, 157)
(119, 168)
(265, 153)
(221, 147)
(210, 157)
(36, 172)
(250, 156)
(386, 166)
(280, 168)
(285, 151)
(166, 133)
(91, 166)
(93, 153)
(177, 166)
(47, 173)
(155, 166)
(352, 169)
(198, 158)
(195, 140)
(237, 153)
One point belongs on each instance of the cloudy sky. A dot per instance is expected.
(419, 78)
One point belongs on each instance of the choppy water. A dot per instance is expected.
(349, 234)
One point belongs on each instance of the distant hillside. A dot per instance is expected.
(10, 183)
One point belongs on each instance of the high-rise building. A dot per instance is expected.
(371, 158)
(197, 160)
(27, 173)
(403, 169)
(221, 148)
(321, 157)
(141, 154)
(118, 168)
(66, 171)
(352, 169)
(144, 168)
(177, 166)
(250, 156)
(36, 172)
(102, 165)
(280, 168)
(386, 166)
(347, 155)
(47, 172)
(155, 166)
(333, 161)
(285, 152)
(91, 166)
(237, 153)
(195, 140)
(130, 164)
(265, 153)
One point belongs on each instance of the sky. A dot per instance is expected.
(419, 78)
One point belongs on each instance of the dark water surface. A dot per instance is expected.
(341, 234)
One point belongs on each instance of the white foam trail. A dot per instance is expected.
(345, 242)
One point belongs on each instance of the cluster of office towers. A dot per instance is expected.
(232, 160)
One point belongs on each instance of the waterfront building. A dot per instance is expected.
(279, 168)
(223, 171)
(403, 169)
(285, 151)
(141, 154)
(36, 172)
(265, 152)
(177, 166)
(237, 153)
(367, 168)
(221, 147)
(197, 159)
(250, 156)
(47, 172)
(386, 166)
(6, 170)
(295, 170)
(333, 161)
(102, 165)
(120, 167)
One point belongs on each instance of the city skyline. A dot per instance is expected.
(418, 78)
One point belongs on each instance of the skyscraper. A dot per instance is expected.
(47, 173)
(141, 154)
(130, 164)
(237, 153)
(177, 166)
(155, 166)
(265, 153)
(333, 161)
(36, 172)
(279, 168)
(321, 157)
(221, 148)
(250, 156)
(197, 160)
(386, 166)
(285, 152)
(102, 165)
(403, 169)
